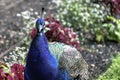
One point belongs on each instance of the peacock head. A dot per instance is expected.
(40, 25)
(39, 29)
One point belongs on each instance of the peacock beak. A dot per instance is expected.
(40, 28)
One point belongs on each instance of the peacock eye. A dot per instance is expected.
(42, 29)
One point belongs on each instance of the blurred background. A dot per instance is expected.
(96, 24)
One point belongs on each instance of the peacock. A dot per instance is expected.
(53, 60)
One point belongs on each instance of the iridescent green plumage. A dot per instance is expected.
(70, 59)
(57, 49)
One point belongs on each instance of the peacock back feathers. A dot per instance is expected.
(57, 49)
(69, 58)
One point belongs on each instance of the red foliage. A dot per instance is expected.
(16, 69)
(115, 5)
(59, 33)
(4, 75)
(33, 33)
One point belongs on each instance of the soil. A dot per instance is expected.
(98, 56)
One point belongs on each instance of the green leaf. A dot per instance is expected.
(99, 38)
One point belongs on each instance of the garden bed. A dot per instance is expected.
(99, 56)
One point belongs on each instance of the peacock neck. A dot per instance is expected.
(41, 41)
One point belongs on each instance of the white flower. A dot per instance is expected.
(57, 2)
(18, 15)
(26, 14)
(36, 13)
(31, 9)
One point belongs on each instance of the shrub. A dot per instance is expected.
(109, 30)
(17, 55)
(14, 72)
(113, 73)
(81, 15)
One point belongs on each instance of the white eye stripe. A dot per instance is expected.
(44, 26)
(40, 28)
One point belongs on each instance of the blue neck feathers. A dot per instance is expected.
(41, 65)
